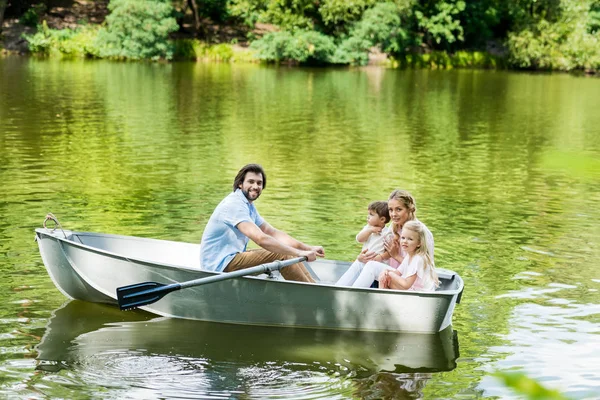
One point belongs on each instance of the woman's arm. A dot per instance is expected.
(382, 257)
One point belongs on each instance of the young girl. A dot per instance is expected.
(417, 271)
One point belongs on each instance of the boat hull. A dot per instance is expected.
(90, 267)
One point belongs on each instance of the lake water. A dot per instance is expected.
(505, 168)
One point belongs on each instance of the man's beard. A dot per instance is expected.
(247, 195)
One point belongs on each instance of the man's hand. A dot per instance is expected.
(318, 250)
(366, 255)
(310, 255)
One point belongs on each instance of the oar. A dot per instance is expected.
(141, 294)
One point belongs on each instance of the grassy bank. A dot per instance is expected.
(83, 42)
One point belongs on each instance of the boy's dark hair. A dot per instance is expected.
(241, 175)
(381, 208)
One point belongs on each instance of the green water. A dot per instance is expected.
(505, 168)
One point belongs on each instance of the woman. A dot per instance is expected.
(402, 208)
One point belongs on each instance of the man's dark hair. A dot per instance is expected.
(256, 168)
(381, 208)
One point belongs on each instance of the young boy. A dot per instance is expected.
(372, 236)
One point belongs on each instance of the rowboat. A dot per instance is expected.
(92, 266)
(80, 332)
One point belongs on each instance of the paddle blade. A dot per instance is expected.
(141, 294)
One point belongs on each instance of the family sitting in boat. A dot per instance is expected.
(406, 261)
(399, 257)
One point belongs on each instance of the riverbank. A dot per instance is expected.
(56, 44)
(85, 30)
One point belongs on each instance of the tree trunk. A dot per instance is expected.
(194, 7)
(2, 8)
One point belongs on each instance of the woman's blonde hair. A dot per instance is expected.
(408, 201)
(423, 249)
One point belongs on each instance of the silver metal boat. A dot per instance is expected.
(91, 266)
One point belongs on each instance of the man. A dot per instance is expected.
(236, 220)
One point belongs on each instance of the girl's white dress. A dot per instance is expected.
(416, 265)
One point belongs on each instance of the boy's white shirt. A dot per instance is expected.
(375, 240)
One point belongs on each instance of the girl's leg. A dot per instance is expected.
(370, 272)
(351, 274)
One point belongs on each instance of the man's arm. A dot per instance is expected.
(283, 237)
(273, 244)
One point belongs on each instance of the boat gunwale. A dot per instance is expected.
(51, 233)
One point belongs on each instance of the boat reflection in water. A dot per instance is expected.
(136, 349)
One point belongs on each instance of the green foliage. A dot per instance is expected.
(217, 52)
(306, 47)
(528, 12)
(445, 60)
(482, 20)
(291, 15)
(594, 23)
(138, 29)
(338, 14)
(535, 34)
(194, 49)
(528, 387)
(565, 44)
(31, 17)
(441, 23)
(184, 49)
(380, 26)
(68, 43)
(248, 11)
(216, 10)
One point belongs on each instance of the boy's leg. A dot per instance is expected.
(252, 258)
(351, 274)
(370, 272)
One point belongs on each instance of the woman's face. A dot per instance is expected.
(398, 212)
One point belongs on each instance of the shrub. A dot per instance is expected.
(31, 17)
(80, 42)
(442, 59)
(193, 49)
(566, 44)
(138, 29)
(380, 26)
(307, 47)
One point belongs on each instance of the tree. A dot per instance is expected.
(138, 29)
(3, 4)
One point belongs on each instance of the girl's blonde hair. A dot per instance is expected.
(408, 201)
(423, 249)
